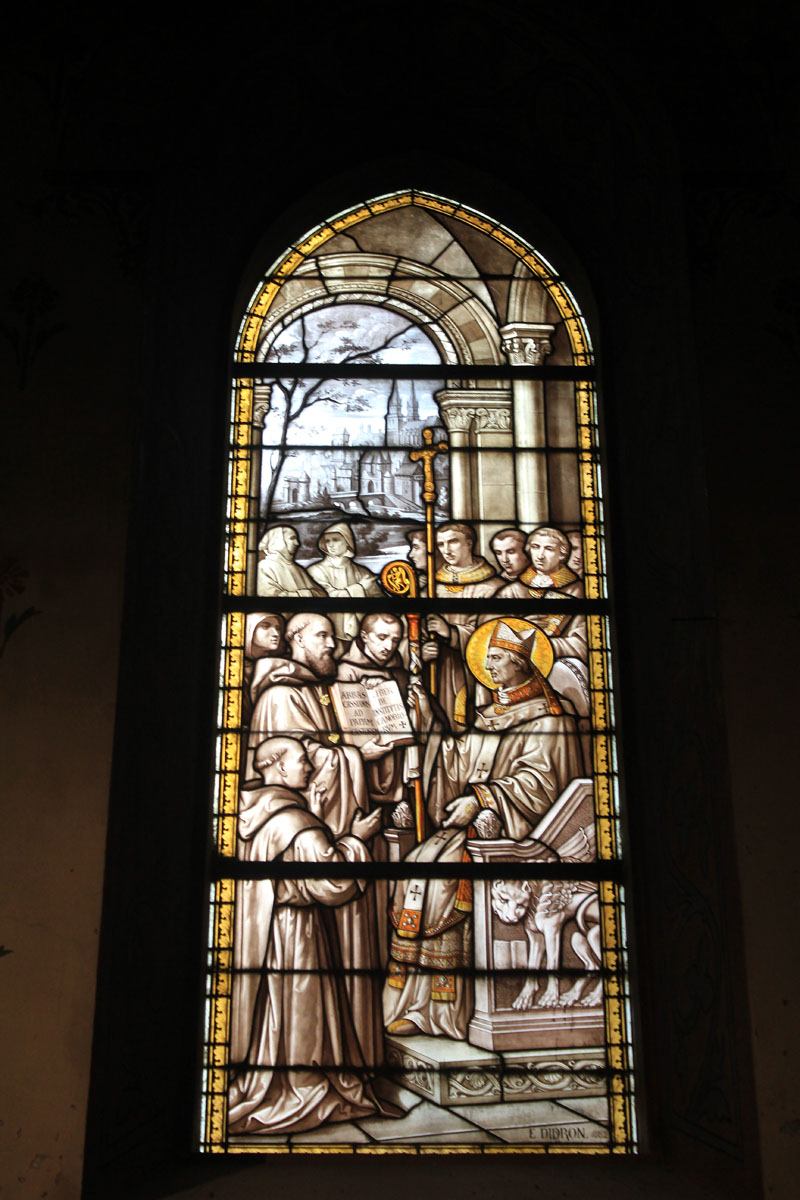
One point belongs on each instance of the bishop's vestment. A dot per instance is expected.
(517, 760)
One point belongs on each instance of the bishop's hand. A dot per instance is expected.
(460, 812)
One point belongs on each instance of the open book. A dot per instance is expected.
(365, 712)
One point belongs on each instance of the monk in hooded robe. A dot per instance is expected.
(295, 700)
(339, 575)
(373, 656)
(278, 574)
(296, 1052)
(263, 639)
(521, 753)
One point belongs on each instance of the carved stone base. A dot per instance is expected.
(554, 1074)
(538, 1028)
(444, 1071)
(455, 1073)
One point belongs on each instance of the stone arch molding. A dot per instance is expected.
(458, 322)
(464, 332)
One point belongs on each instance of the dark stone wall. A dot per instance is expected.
(154, 170)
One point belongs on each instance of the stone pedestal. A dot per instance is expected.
(400, 842)
(538, 1028)
(503, 947)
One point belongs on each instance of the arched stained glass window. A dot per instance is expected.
(417, 933)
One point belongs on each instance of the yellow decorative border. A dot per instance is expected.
(602, 738)
(594, 580)
(618, 1046)
(218, 1034)
(239, 472)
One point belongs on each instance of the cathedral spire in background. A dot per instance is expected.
(413, 409)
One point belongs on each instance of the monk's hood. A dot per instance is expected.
(344, 530)
(269, 671)
(259, 802)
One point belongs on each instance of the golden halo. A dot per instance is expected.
(478, 645)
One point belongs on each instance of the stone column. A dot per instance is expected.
(478, 421)
(528, 344)
(262, 393)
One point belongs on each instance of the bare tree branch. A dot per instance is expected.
(297, 399)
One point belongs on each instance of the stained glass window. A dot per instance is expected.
(417, 936)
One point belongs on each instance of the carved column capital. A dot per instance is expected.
(492, 418)
(458, 420)
(475, 410)
(527, 345)
(261, 402)
(462, 420)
